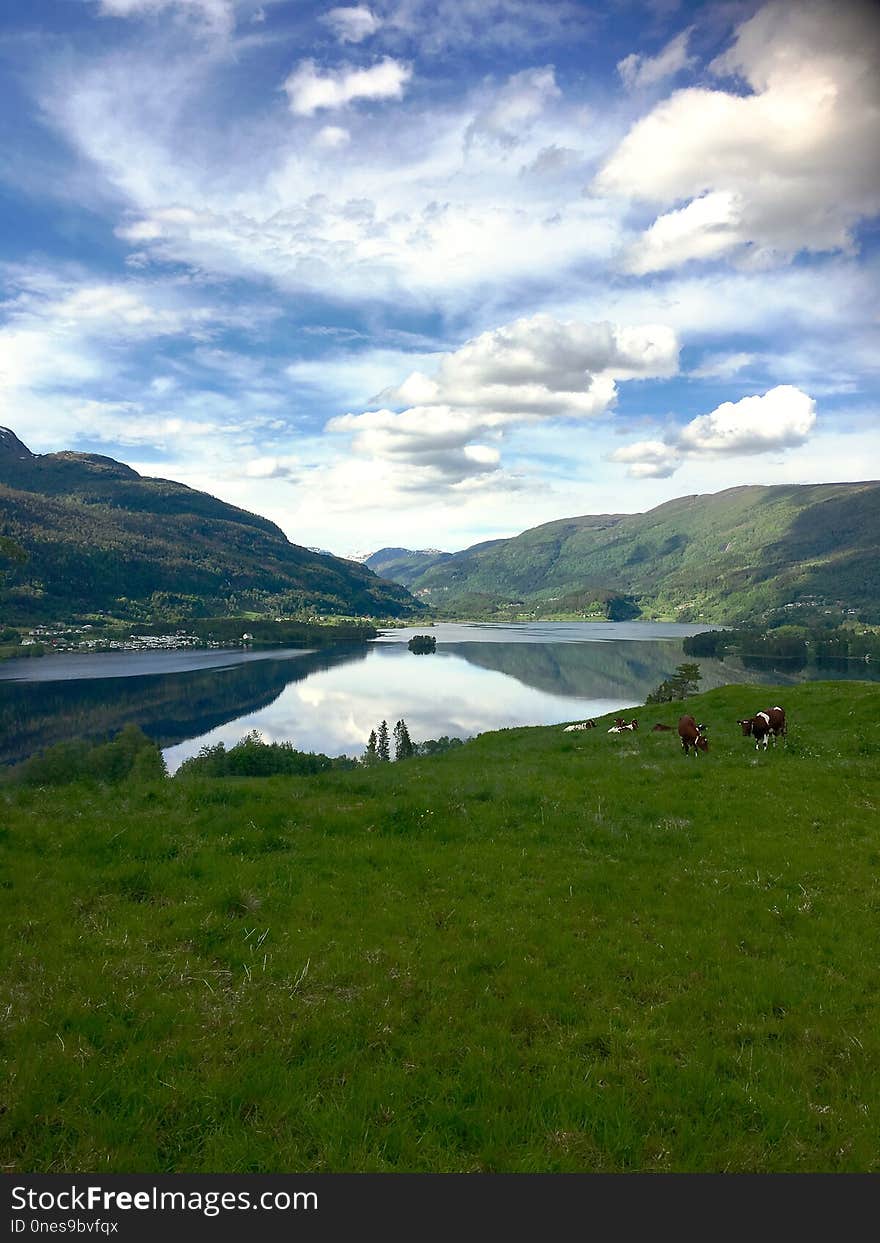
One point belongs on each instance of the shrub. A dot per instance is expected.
(251, 757)
(130, 755)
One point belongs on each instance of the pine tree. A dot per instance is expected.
(382, 748)
(403, 747)
(371, 755)
(686, 678)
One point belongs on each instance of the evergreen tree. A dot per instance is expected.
(382, 746)
(682, 683)
(403, 747)
(371, 755)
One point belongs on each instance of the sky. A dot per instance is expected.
(429, 272)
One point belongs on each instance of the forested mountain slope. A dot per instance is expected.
(101, 537)
(728, 556)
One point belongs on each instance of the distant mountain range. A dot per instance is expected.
(99, 537)
(740, 555)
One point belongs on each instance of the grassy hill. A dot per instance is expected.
(737, 555)
(101, 538)
(540, 952)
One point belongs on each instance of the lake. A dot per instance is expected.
(483, 676)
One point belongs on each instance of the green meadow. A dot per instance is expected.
(542, 951)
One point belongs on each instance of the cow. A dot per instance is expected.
(764, 725)
(621, 727)
(656, 728)
(581, 725)
(691, 735)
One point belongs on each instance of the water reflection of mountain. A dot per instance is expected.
(624, 671)
(169, 707)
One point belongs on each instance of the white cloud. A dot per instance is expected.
(771, 172)
(270, 468)
(502, 24)
(217, 15)
(309, 88)
(721, 366)
(271, 197)
(637, 71)
(538, 366)
(332, 136)
(527, 371)
(352, 24)
(515, 106)
(67, 346)
(648, 459)
(782, 418)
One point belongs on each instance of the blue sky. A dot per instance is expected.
(430, 273)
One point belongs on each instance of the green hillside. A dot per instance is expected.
(539, 952)
(101, 538)
(730, 556)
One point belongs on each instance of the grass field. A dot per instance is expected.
(540, 952)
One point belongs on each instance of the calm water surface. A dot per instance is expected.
(483, 676)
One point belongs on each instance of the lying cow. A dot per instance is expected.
(691, 735)
(621, 727)
(581, 725)
(764, 725)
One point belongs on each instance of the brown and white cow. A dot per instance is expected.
(691, 735)
(581, 725)
(764, 725)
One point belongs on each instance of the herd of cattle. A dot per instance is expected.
(762, 727)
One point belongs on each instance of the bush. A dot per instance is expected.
(251, 757)
(131, 755)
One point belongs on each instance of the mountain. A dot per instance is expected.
(738, 555)
(99, 537)
(404, 565)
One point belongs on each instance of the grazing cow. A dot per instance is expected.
(581, 725)
(764, 725)
(691, 735)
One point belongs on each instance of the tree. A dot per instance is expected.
(382, 747)
(371, 755)
(403, 747)
(686, 677)
(10, 552)
(682, 683)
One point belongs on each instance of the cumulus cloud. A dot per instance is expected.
(638, 71)
(524, 372)
(309, 88)
(352, 24)
(539, 366)
(781, 418)
(770, 171)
